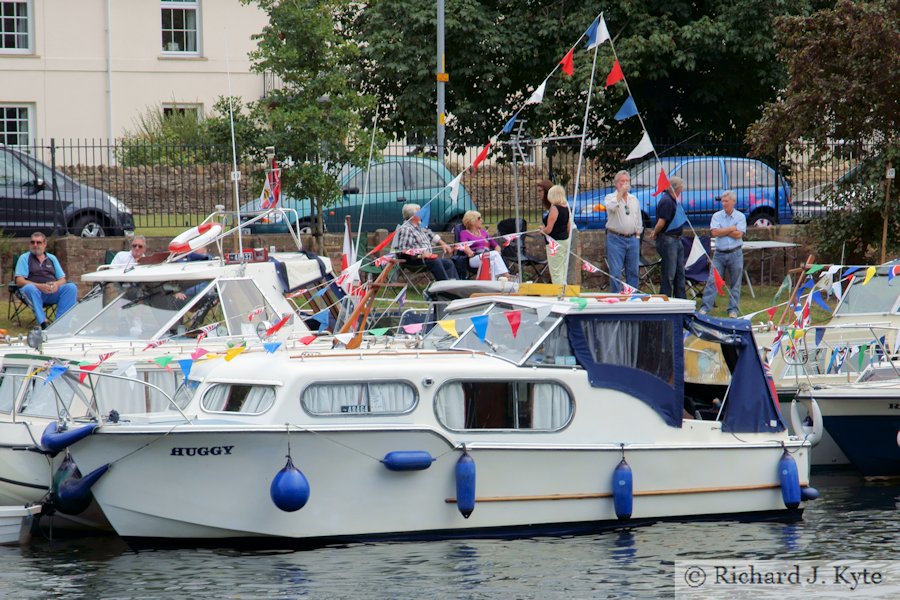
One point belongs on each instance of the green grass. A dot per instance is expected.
(149, 225)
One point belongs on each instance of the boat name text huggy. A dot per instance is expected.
(203, 451)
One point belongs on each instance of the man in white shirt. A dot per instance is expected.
(126, 258)
(623, 234)
(728, 227)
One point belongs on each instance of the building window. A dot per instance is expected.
(181, 110)
(15, 125)
(15, 27)
(180, 26)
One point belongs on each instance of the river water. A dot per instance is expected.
(853, 520)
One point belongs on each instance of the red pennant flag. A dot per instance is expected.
(615, 75)
(85, 369)
(720, 283)
(307, 339)
(382, 245)
(568, 63)
(274, 328)
(662, 184)
(481, 156)
(772, 312)
(515, 319)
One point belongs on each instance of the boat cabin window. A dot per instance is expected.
(132, 397)
(878, 296)
(554, 350)
(51, 399)
(440, 339)
(884, 372)
(245, 306)
(538, 406)
(643, 345)
(10, 380)
(238, 398)
(358, 398)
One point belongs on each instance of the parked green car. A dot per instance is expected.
(393, 182)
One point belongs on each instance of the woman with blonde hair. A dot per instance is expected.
(477, 241)
(558, 227)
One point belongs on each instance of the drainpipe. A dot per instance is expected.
(109, 90)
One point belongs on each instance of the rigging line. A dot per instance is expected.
(235, 174)
(150, 443)
(365, 197)
(328, 439)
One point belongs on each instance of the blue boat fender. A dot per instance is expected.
(55, 439)
(73, 495)
(290, 488)
(407, 460)
(623, 490)
(789, 479)
(465, 485)
(809, 493)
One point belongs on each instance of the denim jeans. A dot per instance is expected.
(730, 266)
(622, 252)
(671, 251)
(64, 299)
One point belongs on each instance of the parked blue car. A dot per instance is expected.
(393, 182)
(762, 195)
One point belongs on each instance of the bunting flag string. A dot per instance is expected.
(568, 63)
(596, 33)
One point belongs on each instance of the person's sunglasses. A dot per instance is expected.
(137, 245)
(36, 242)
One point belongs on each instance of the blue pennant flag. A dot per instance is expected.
(424, 214)
(820, 333)
(509, 124)
(270, 347)
(808, 284)
(186, 364)
(851, 270)
(321, 292)
(817, 298)
(591, 34)
(480, 324)
(56, 372)
(679, 220)
(321, 317)
(401, 297)
(628, 110)
(322, 327)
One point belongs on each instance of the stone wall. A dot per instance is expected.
(80, 255)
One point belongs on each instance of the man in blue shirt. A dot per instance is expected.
(727, 227)
(667, 233)
(43, 281)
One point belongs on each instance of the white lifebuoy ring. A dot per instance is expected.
(813, 432)
(195, 237)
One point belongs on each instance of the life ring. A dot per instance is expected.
(195, 237)
(813, 432)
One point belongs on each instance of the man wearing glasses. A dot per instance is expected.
(130, 259)
(42, 281)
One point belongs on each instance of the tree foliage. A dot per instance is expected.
(843, 93)
(694, 67)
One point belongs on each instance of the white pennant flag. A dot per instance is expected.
(696, 253)
(454, 187)
(602, 34)
(833, 269)
(643, 148)
(896, 343)
(544, 311)
(836, 289)
(538, 96)
(344, 338)
(127, 369)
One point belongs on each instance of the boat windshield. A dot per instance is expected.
(440, 339)
(878, 296)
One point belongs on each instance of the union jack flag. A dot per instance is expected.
(272, 188)
(586, 266)
(383, 260)
(552, 246)
(206, 330)
(507, 239)
(105, 356)
(156, 344)
(255, 312)
(627, 289)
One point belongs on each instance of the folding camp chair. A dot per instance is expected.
(648, 267)
(696, 274)
(19, 306)
(517, 249)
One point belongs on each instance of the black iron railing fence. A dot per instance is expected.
(66, 185)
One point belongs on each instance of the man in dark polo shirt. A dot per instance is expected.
(667, 233)
(43, 281)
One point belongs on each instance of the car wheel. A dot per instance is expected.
(762, 218)
(88, 226)
(305, 227)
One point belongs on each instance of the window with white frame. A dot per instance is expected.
(180, 26)
(181, 110)
(15, 125)
(15, 27)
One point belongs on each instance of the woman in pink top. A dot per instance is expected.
(477, 241)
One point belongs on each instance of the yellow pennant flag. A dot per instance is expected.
(449, 325)
(870, 272)
(797, 334)
(232, 352)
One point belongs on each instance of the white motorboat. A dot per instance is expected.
(517, 414)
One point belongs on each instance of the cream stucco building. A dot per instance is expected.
(88, 68)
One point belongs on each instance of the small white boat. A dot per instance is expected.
(15, 523)
(516, 414)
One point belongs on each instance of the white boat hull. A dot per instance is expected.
(15, 523)
(353, 495)
(826, 453)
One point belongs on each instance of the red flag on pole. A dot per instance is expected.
(720, 283)
(382, 245)
(662, 184)
(481, 156)
(615, 75)
(568, 63)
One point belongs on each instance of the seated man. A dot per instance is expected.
(126, 258)
(43, 281)
(411, 236)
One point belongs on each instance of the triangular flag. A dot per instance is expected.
(274, 328)
(815, 269)
(679, 219)
(401, 297)
(552, 245)
(862, 356)
(893, 272)
(106, 356)
(481, 156)
(817, 298)
(644, 147)
(85, 370)
(662, 182)
(449, 325)
(424, 215)
(232, 352)
(542, 313)
(56, 371)
(344, 338)
(695, 254)
(785, 286)
(870, 272)
(164, 361)
(615, 75)
(269, 347)
(580, 302)
(509, 124)
(851, 270)
(515, 319)
(186, 365)
(306, 340)
(586, 266)
(771, 312)
(628, 110)
(199, 353)
(379, 332)
(597, 33)
(720, 283)
(836, 290)
(896, 343)
(820, 333)
(480, 324)
(537, 96)
(626, 289)
(390, 236)
(568, 63)
(348, 252)
(412, 328)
